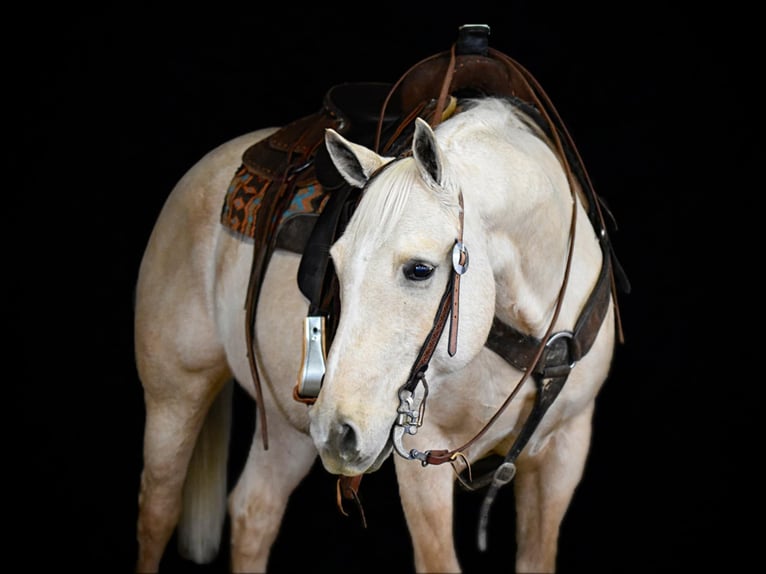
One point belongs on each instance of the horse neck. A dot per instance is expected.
(528, 225)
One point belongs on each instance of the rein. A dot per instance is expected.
(412, 419)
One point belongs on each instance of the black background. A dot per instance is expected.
(112, 106)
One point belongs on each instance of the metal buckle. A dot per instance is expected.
(562, 335)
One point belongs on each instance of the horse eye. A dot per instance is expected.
(418, 271)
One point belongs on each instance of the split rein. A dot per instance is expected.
(410, 416)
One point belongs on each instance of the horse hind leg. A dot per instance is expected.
(174, 417)
(203, 513)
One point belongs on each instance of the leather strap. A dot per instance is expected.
(264, 243)
(460, 265)
(445, 455)
(347, 487)
(519, 348)
(449, 307)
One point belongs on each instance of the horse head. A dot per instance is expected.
(393, 263)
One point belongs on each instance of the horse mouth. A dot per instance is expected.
(382, 457)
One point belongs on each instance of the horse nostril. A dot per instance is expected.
(345, 441)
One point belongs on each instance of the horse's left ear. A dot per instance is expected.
(426, 152)
(353, 161)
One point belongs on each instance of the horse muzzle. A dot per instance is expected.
(346, 449)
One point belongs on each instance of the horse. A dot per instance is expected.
(476, 234)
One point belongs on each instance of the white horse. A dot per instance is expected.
(486, 182)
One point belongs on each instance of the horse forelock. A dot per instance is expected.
(384, 202)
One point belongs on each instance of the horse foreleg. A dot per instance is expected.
(427, 501)
(258, 502)
(543, 487)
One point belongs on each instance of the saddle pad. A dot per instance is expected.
(248, 191)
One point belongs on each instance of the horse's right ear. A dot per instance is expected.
(353, 161)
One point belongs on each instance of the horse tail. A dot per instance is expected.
(205, 492)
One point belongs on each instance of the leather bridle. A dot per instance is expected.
(409, 418)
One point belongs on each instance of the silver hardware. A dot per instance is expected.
(562, 335)
(409, 418)
(459, 250)
(481, 26)
(397, 433)
(504, 474)
(313, 368)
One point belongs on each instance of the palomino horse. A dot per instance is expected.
(473, 257)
